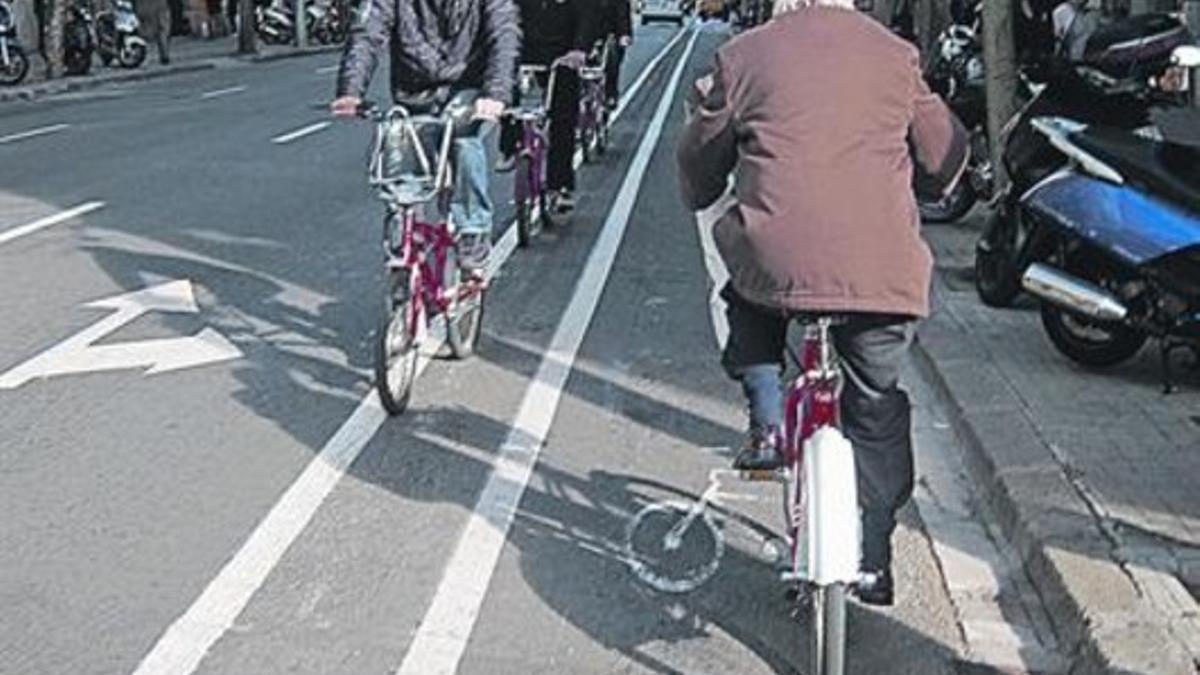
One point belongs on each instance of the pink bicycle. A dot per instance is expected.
(422, 276)
(677, 546)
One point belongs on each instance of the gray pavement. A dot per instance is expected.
(1090, 472)
(126, 495)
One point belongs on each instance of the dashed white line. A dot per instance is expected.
(48, 221)
(442, 637)
(223, 92)
(33, 133)
(326, 70)
(300, 133)
(184, 644)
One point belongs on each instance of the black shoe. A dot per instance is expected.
(760, 452)
(564, 202)
(875, 588)
(474, 251)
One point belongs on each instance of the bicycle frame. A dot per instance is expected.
(534, 139)
(418, 246)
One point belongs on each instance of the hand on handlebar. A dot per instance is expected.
(576, 59)
(488, 109)
(346, 106)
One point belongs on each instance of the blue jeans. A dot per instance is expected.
(471, 207)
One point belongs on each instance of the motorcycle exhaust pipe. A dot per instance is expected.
(1066, 290)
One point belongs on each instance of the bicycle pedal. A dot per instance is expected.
(761, 475)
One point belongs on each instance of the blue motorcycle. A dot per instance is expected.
(1123, 224)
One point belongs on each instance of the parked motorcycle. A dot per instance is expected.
(1123, 227)
(275, 22)
(327, 22)
(1116, 85)
(78, 40)
(117, 36)
(14, 64)
(956, 72)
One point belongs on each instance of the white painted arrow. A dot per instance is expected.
(77, 354)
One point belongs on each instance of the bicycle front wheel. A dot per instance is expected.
(827, 630)
(396, 345)
(528, 226)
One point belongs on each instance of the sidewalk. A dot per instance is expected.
(1091, 475)
(188, 54)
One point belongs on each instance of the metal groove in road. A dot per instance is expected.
(49, 221)
(223, 92)
(442, 637)
(300, 133)
(33, 133)
(185, 643)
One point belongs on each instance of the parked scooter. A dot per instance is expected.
(117, 36)
(275, 22)
(956, 72)
(14, 64)
(1123, 227)
(1117, 84)
(78, 40)
(327, 23)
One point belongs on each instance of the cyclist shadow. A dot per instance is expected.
(570, 535)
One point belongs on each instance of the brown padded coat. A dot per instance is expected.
(819, 115)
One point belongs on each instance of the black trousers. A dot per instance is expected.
(876, 414)
(564, 117)
(612, 73)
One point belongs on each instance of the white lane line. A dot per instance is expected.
(49, 221)
(300, 133)
(647, 71)
(326, 70)
(184, 644)
(33, 133)
(223, 92)
(442, 637)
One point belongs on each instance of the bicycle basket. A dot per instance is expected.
(402, 165)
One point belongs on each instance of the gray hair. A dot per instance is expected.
(782, 6)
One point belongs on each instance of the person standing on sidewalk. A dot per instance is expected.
(826, 118)
(441, 50)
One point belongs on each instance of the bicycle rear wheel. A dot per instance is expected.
(827, 630)
(396, 344)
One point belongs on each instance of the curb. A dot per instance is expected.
(63, 85)
(1104, 622)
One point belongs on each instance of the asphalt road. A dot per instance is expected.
(196, 520)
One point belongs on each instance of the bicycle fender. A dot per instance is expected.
(832, 528)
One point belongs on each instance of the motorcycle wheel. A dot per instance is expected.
(953, 207)
(997, 283)
(18, 67)
(1088, 342)
(77, 61)
(133, 56)
(1084, 340)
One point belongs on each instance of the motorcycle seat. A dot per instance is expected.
(1169, 170)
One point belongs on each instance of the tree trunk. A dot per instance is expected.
(999, 51)
(246, 36)
(55, 22)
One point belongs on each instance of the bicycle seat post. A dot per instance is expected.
(825, 338)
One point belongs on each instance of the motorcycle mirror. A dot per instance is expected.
(1186, 56)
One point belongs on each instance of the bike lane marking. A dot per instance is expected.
(326, 70)
(216, 93)
(442, 637)
(184, 644)
(33, 133)
(49, 221)
(301, 132)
